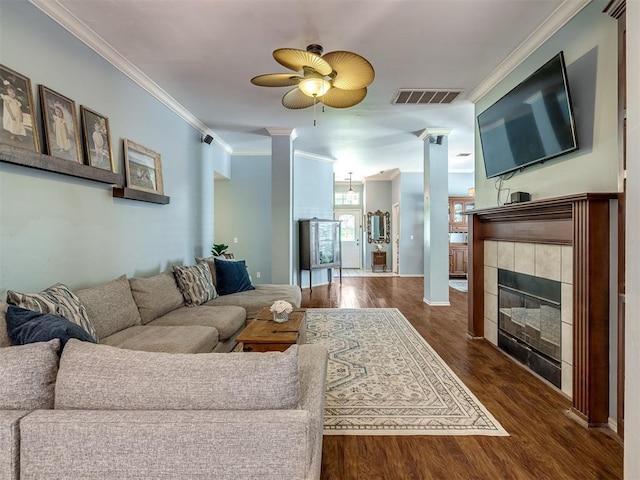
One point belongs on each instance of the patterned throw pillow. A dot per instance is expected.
(57, 299)
(195, 283)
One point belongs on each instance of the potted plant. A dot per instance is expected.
(218, 249)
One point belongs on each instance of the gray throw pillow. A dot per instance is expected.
(28, 375)
(195, 283)
(56, 299)
(120, 379)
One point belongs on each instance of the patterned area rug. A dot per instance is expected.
(460, 285)
(385, 379)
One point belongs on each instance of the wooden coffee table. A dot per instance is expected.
(262, 334)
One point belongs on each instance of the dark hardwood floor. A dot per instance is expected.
(544, 443)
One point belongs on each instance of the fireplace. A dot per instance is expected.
(530, 322)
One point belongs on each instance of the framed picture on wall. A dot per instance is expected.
(18, 126)
(143, 168)
(97, 139)
(60, 125)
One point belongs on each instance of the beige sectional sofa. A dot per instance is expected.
(150, 314)
(113, 413)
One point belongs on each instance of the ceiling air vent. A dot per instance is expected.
(425, 96)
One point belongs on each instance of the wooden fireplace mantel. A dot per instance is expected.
(582, 221)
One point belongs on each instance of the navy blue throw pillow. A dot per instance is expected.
(232, 277)
(26, 326)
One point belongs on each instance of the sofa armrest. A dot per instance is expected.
(312, 371)
(223, 444)
(10, 443)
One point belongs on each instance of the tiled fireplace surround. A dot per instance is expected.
(554, 262)
(566, 239)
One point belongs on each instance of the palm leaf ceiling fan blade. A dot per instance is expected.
(298, 59)
(353, 72)
(295, 99)
(276, 80)
(338, 98)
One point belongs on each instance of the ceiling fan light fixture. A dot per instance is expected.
(314, 86)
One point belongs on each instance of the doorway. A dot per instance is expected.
(350, 237)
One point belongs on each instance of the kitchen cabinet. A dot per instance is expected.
(457, 218)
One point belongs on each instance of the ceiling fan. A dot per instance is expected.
(338, 79)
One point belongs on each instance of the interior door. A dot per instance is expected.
(350, 237)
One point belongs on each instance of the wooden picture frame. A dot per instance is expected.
(60, 125)
(17, 110)
(143, 168)
(97, 139)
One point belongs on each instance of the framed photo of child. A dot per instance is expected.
(60, 125)
(143, 168)
(97, 139)
(17, 111)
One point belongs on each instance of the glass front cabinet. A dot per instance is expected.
(320, 246)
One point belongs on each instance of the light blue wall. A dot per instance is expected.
(61, 229)
(377, 196)
(411, 224)
(312, 197)
(589, 42)
(243, 211)
(460, 183)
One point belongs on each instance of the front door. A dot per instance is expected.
(350, 237)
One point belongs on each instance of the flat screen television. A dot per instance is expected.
(530, 124)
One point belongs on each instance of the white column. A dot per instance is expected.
(436, 216)
(282, 204)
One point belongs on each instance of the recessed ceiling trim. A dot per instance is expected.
(73, 25)
(315, 156)
(565, 12)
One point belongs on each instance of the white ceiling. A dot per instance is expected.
(203, 53)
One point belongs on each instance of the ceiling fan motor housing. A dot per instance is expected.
(315, 48)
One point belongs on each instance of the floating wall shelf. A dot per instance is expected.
(133, 194)
(40, 161)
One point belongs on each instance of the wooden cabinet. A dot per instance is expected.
(458, 258)
(458, 228)
(320, 246)
(379, 259)
(457, 218)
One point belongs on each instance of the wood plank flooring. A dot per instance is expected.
(544, 443)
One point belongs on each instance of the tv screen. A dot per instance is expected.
(530, 124)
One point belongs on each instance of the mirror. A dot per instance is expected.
(378, 226)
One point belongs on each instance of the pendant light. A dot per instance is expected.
(351, 194)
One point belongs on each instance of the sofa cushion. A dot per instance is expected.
(263, 295)
(28, 375)
(128, 380)
(232, 276)
(10, 443)
(156, 295)
(195, 283)
(110, 306)
(4, 337)
(226, 319)
(194, 339)
(27, 326)
(57, 299)
(210, 262)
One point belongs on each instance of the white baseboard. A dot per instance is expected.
(411, 275)
(436, 304)
(613, 424)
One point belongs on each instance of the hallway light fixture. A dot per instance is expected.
(351, 194)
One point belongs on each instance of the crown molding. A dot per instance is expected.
(284, 132)
(561, 15)
(315, 156)
(251, 153)
(434, 132)
(73, 25)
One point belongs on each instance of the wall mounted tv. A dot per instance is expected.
(532, 123)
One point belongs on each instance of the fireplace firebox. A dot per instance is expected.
(530, 322)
